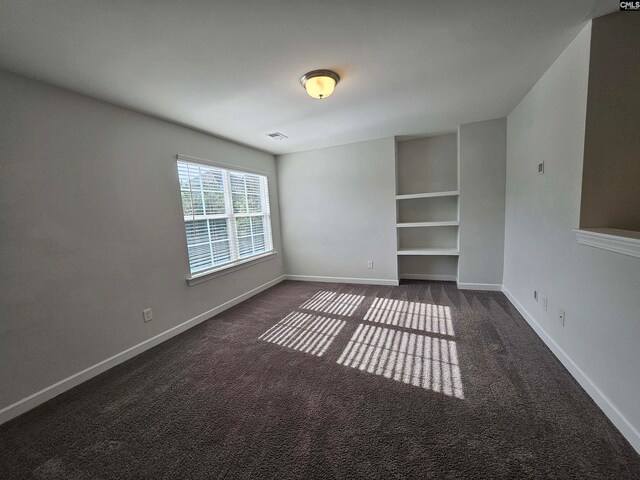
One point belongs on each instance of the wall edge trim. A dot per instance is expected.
(489, 287)
(364, 281)
(426, 276)
(624, 426)
(24, 405)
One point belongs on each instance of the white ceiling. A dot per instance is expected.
(231, 68)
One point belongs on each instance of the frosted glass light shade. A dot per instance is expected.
(320, 83)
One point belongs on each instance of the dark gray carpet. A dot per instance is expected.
(295, 383)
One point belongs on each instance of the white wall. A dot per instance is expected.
(338, 211)
(482, 157)
(600, 290)
(91, 232)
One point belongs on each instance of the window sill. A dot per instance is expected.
(626, 242)
(226, 269)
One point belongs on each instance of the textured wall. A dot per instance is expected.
(598, 289)
(338, 210)
(482, 162)
(91, 232)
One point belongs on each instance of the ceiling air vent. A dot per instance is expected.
(277, 135)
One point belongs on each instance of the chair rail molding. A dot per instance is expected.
(626, 242)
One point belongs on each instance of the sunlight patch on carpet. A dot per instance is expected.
(333, 303)
(412, 358)
(415, 315)
(304, 332)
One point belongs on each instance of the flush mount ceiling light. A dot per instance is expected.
(320, 83)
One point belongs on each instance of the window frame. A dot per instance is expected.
(239, 263)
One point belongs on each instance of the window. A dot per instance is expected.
(226, 215)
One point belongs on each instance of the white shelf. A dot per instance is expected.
(453, 252)
(453, 193)
(446, 223)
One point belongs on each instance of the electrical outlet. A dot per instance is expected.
(148, 315)
(369, 263)
(561, 316)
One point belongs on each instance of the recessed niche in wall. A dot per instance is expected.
(431, 268)
(440, 237)
(611, 171)
(610, 204)
(428, 209)
(427, 164)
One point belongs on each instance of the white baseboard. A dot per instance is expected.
(27, 403)
(365, 281)
(422, 276)
(606, 405)
(489, 287)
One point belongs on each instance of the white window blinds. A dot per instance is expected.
(226, 215)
